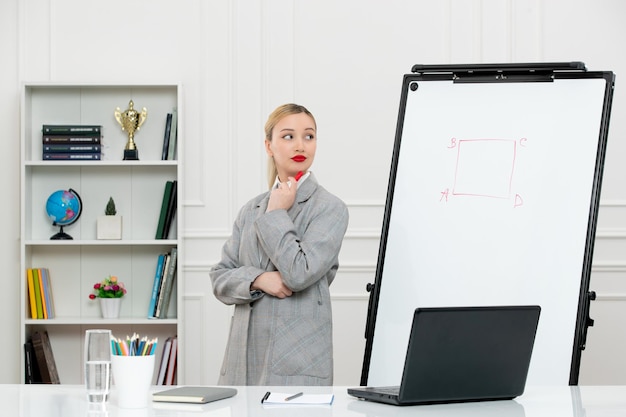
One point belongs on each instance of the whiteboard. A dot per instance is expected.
(491, 202)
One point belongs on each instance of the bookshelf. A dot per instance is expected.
(137, 187)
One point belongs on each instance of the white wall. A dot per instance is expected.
(238, 59)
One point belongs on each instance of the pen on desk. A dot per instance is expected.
(265, 397)
(294, 396)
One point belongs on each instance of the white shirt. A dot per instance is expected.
(300, 181)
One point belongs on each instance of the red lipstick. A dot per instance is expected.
(299, 175)
(299, 158)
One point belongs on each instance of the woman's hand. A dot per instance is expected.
(271, 283)
(283, 196)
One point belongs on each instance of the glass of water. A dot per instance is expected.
(98, 365)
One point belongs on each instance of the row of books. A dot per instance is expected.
(39, 293)
(71, 142)
(170, 136)
(39, 366)
(168, 209)
(164, 278)
(168, 364)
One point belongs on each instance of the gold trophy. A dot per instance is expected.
(131, 120)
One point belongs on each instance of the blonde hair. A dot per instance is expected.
(276, 116)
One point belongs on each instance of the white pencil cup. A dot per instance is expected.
(132, 377)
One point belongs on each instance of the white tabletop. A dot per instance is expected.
(70, 401)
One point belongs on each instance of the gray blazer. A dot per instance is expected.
(286, 341)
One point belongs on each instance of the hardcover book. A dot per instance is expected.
(159, 297)
(71, 156)
(45, 358)
(71, 129)
(194, 394)
(31, 293)
(171, 210)
(165, 356)
(66, 139)
(31, 369)
(37, 290)
(44, 276)
(156, 285)
(42, 294)
(166, 136)
(171, 151)
(172, 363)
(169, 276)
(164, 206)
(71, 147)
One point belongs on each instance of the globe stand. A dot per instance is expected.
(61, 235)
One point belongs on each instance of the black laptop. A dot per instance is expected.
(459, 354)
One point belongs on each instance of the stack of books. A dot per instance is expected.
(168, 210)
(40, 293)
(164, 277)
(71, 142)
(168, 364)
(171, 134)
(40, 366)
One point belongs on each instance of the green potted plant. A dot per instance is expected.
(109, 226)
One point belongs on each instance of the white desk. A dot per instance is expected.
(70, 401)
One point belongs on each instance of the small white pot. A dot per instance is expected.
(110, 307)
(109, 227)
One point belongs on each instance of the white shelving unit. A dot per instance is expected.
(137, 188)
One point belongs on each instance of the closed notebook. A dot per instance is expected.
(194, 394)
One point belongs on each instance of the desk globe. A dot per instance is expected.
(64, 208)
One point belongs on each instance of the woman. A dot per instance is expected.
(277, 266)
